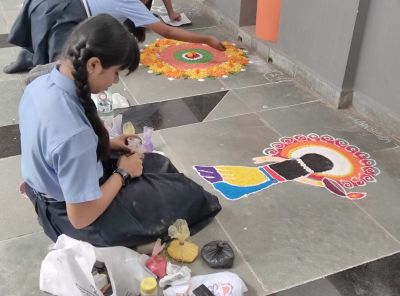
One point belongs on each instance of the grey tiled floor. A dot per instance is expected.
(283, 236)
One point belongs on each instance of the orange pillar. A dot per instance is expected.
(267, 20)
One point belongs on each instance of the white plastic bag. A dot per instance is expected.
(176, 275)
(67, 269)
(220, 284)
(119, 101)
(113, 125)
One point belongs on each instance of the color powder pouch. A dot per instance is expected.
(157, 263)
(180, 249)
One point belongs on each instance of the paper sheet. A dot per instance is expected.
(184, 20)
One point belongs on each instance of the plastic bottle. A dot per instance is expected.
(148, 287)
(104, 102)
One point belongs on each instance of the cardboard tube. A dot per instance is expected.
(267, 19)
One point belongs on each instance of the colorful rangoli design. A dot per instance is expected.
(322, 161)
(176, 59)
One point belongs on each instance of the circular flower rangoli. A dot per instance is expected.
(176, 59)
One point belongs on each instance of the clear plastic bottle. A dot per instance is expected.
(148, 287)
(104, 102)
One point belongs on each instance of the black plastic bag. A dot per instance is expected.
(218, 254)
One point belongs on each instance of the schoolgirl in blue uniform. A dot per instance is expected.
(64, 146)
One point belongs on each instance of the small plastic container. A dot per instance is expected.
(148, 287)
(104, 102)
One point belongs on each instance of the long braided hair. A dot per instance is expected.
(101, 36)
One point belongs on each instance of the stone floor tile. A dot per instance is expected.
(291, 234)
(230, 105)
(252, 74)
(162, 115)
(318, 118)
(240, 266)
(141, 85)
(21, 258)
(193, 11)
(10, 144)
(380, 277)
(8, 55)
(269, 96)
(3, 24)
(235, 140)
(382, 202)
(17, 212)
(11, 4)
(11, 92)
(221, 33)
(10, 17)
(123, 91)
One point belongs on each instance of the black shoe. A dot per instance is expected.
(22, 64)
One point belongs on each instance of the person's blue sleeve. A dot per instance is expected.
(75, 163)
(137, 12)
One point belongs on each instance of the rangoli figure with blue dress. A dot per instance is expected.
(322, 161)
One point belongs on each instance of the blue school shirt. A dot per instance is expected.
(58, 144)
(134, 10)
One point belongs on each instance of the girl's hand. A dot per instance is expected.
(132, 164)
(120, 143)
(174, 16)
(215, 43)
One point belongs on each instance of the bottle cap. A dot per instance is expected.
(148, 285)
(102, 96)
